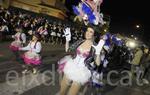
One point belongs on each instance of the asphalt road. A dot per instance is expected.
(46, 82)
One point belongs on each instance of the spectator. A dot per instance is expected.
(136, 64)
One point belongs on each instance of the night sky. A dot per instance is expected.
(125, 14)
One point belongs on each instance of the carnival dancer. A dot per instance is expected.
(67, 34)
(89, 12)
(53, 34)
(44, 33)
(32, 57)
(98, 73)
(97, 77)
(20, 40)
(75, 68)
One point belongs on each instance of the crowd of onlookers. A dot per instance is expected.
(51, 32)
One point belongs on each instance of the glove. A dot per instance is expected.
(67, 34)
(99, 47)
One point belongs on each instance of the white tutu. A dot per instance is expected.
(32, 55)
(15, 45)
(32, 58)
(76, 71)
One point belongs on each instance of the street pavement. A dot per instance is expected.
(46, 81)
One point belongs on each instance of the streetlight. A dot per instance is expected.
(131, 44)
(105, 30)
(137, 26)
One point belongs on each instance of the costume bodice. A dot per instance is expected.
(81, 56)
